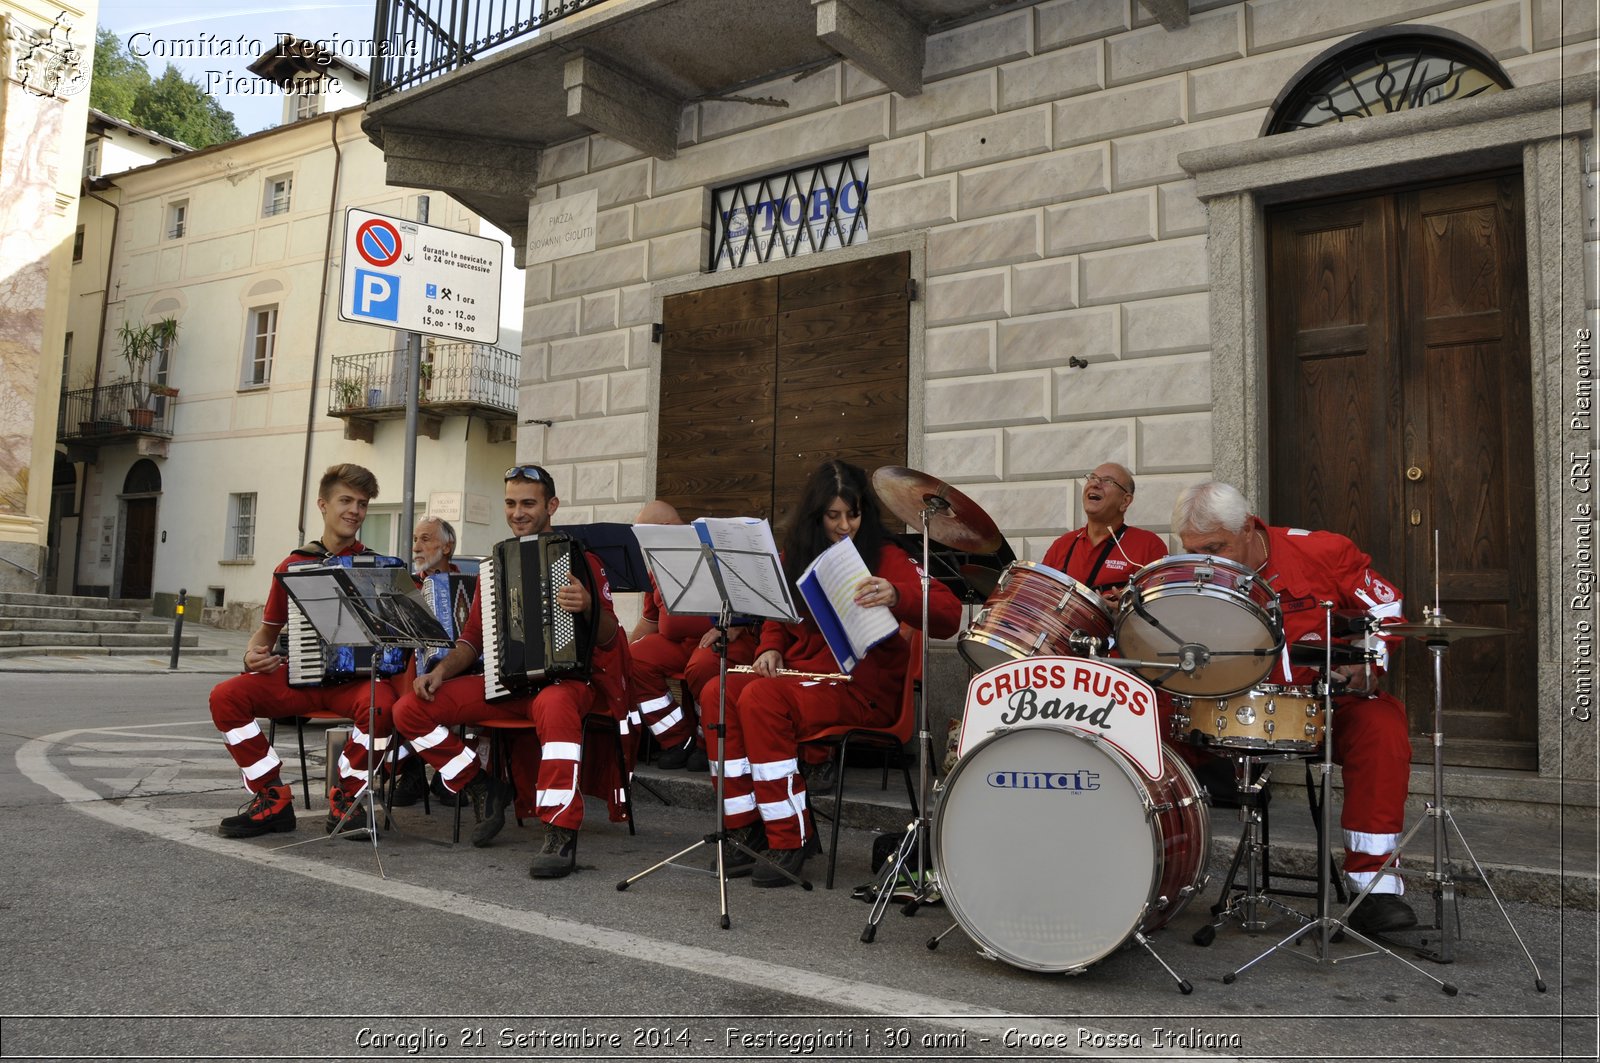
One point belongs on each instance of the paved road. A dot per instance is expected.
(120, 900)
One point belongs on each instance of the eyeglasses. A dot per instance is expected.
(533, 473)
(1095, 478)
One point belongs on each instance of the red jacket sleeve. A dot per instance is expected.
(944, 608)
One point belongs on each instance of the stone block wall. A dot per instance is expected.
(1039, 165)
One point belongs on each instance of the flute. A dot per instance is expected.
(748, 669)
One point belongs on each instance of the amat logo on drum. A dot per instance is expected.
(1044, 780)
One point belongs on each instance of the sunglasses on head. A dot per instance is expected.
(530, 472)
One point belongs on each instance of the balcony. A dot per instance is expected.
(109, 416)
(495, 82)
(457, 379)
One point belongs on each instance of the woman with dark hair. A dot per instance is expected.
(764, 794)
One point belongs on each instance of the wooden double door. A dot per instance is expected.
(763, 380)
(1401, 411)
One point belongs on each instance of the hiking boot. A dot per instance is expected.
(411, 785)
(497, 798)
(676, 757)
(270, 811)
(698, 761)
(1381, 913)
(557, 856)
(823, 776)
(347, 813)
(736, 862)
(442, 794)
(766, 876)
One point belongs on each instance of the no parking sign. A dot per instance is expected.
(420, 278)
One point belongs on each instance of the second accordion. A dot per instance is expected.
(528, 638)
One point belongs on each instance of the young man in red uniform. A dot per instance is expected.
(444, 698)
(1371, 740)
(663, 645)
(264, 691)
(1107, 550)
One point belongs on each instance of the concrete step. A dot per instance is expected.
(94, 638)
(113, 651)
(71, 601)
(125, 627)
(67, 612)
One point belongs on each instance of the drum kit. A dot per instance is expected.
(1060, 893)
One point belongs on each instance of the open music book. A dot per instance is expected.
(829, 587)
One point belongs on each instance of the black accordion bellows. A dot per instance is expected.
(528, 638)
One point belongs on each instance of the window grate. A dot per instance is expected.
(798, 212)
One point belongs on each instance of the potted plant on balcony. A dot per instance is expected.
(347, 392)
(424, 380)
(140, 345)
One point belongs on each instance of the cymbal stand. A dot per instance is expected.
(718, 838)
(1447, 918)
(918, 831)
(1326, 925)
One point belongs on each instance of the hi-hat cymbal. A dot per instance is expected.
(981, 578)
(1440, 629)
(955, 520)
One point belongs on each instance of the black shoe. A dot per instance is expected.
(347, 814)
(413, 782)
(793, 861)
(270, 811)
(698, 761)
(823, 777)
(736, 862)
(557, 856)
(497, 799)
(676, 757)
(1382, 913)
(441, 793)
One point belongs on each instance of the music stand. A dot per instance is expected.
(373, 607)
(618, 550)
(716, 569)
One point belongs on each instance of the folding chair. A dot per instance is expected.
(891, 740)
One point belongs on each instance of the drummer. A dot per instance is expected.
(1370, 731)
(1107, 550)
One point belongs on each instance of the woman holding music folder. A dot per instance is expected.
(772, 708)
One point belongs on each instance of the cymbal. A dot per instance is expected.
(956, 521)
(1440, 629)
(981, 578)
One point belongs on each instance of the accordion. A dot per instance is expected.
(314, 663)
(528, 639)
(448, 596)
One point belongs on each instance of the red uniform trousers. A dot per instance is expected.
(237, 702)
(765, 721)
(546, 773)
(1372, 746)
(656, 659)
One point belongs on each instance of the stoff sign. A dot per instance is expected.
(420, 278)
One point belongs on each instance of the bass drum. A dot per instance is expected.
(1053, 850)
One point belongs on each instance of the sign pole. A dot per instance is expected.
(413, 382)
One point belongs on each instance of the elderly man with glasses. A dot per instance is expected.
(1107, 550)
(444, 697)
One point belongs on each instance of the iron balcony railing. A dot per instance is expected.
(421, 39)
(456, 378)
(105, 413)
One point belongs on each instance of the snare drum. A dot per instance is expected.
(1219, 611)
(1275, 718)
(1053, 850)
(1033, 611)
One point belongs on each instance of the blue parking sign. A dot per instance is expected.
(377, 295)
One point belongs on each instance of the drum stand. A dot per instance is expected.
(1447, 918)
(1326, 925)
(1252, 852)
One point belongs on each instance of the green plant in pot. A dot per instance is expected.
(348, 393)
(140, 345)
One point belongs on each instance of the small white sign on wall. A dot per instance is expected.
(562, 228)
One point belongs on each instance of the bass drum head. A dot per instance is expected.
(1044, 851)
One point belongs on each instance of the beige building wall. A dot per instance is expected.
(41, 158)
(231, 437)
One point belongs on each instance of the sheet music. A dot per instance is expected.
(752, 573)
(829, 585)
(361, 606)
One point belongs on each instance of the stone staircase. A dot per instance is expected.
(53, 625)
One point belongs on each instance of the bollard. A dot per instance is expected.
(177, 629)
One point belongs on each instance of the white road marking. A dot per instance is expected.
(193, 828)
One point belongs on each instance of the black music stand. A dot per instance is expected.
(374, 607)
(697, 577)
(618, 550)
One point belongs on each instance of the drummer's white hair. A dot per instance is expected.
(1208, 506)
